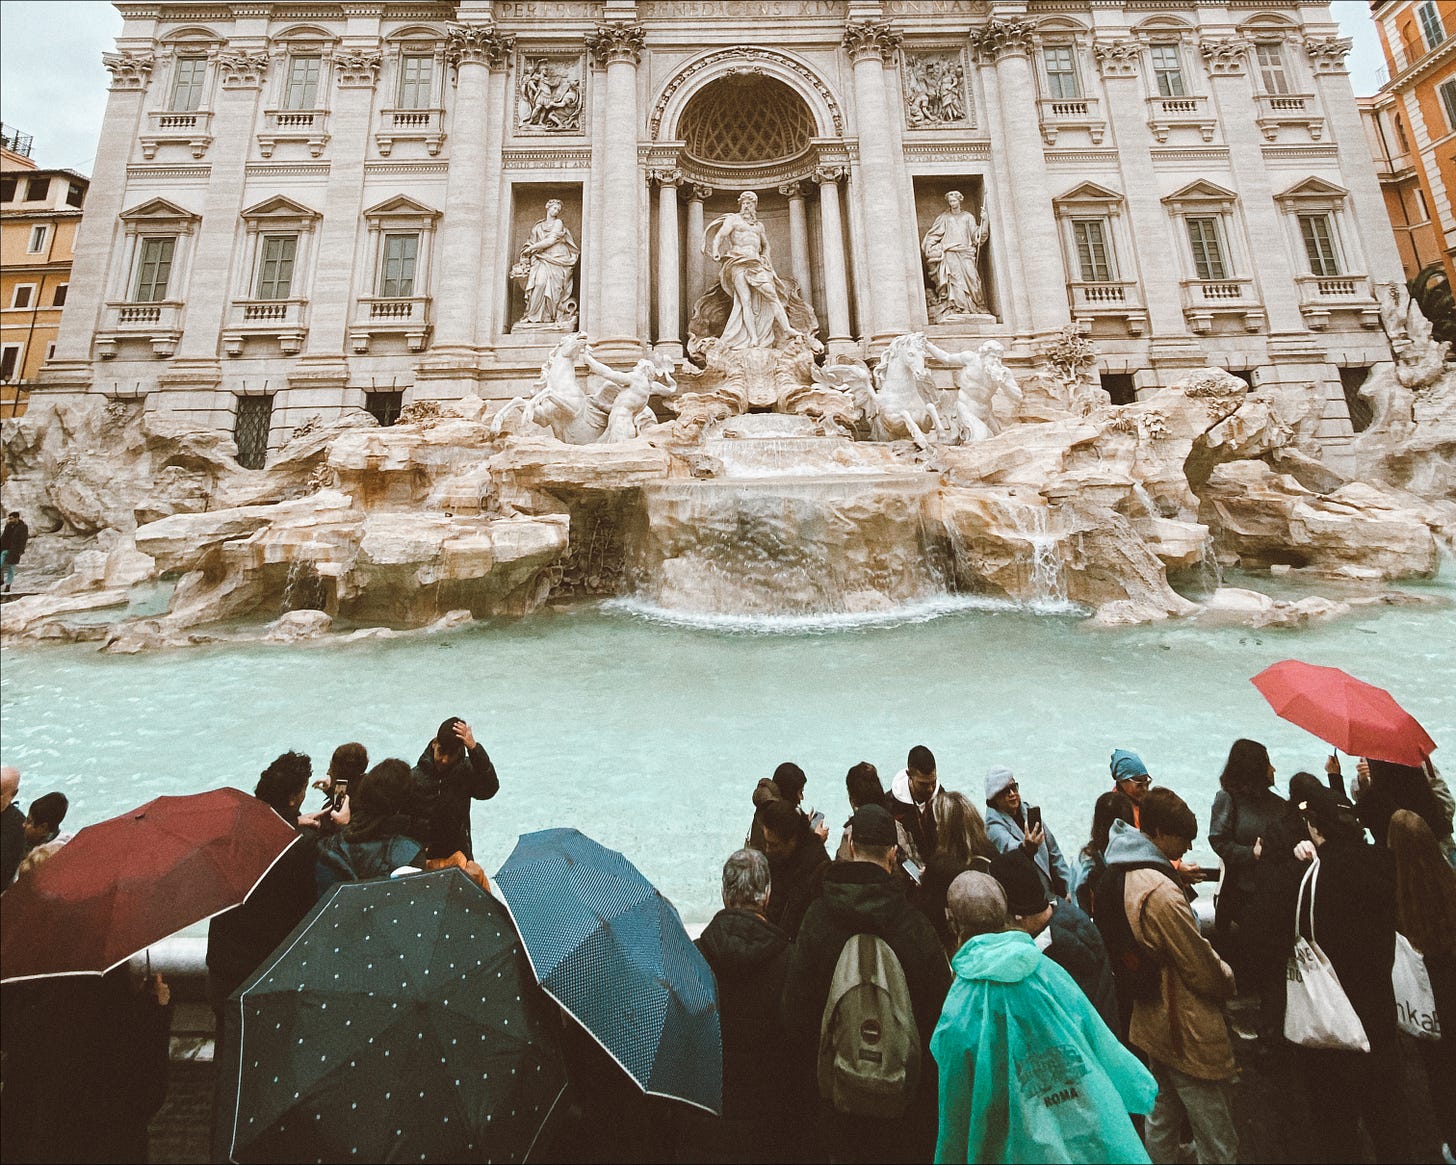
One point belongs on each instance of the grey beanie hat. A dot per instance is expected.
(997, 781)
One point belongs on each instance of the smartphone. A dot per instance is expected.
(1033, 818)
(341, 790)
(913, 870)
(816, 820)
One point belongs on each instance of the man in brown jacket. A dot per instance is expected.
(1176, 980)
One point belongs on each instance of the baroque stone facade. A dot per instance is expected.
(303, 208)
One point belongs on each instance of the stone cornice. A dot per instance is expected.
(477, 44)
(1224, 56)
(547, 158)
(998, 38)
(956, 149)
(618, 41)
(863, 39)
(129, 70)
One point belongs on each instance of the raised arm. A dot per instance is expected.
(620, 379)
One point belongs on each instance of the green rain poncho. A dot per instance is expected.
(1028, 1070)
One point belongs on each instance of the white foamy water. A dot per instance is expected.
(919, 611)
(650, 734)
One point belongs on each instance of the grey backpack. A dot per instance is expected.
(869, 1047)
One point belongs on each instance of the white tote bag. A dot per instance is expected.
(1415, 1002)
(1317, 1013)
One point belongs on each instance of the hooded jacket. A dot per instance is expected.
(917, 823)
(749, 956)
(1183, 1025)
(344, 859)
(796, 881)
(1006, 834)
(863, 898)
(1028, 1072)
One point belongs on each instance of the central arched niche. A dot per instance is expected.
(745, 120)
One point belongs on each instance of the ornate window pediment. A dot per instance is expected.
(1311, 191)
(1201, 195)
(400, 212)
(160, 215)
(1089, 196)
(279, 213)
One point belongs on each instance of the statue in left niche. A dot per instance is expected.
(546, 271)
(616, 411)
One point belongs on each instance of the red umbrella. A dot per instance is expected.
(117, 887)
(1356, 717)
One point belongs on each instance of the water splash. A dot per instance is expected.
(1047, 579)
(920, 611)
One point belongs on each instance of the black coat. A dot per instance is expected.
(1077, 948)
(441, 800)
(1237, 822)
(750, 957)
(12, 843)
(796, 883)
(238, 940)
(13, 539)
(1354, 924)
(863, 898)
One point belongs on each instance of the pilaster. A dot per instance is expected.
(669, 311)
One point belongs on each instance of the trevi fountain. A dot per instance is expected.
(648, 582)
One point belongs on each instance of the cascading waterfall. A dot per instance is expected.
(304, 588)
(1048, 574)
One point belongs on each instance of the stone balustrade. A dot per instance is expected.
(1205, 298)
(159, 323)
(407, 315)
(190, 128)
(1191, 111)
(401, 125)
(310, 126)
(285, 320)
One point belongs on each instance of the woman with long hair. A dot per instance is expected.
(961, 831)
(1425, 912)
(1113, 805)
(1245, 811)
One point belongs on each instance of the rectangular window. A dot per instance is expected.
(1271, 68)
(1203, 237)
(255, 418)
(1423, 206)
(59, 299)
(1168, 69)
(1447, 90)
(1319, 244)
(397, 276)
(22, 295)
(384, 407)
(1093, 254)
(1061, 72)
(51, 350)
(187, 84)
(9, 183)
(36, 189)
(10, 360)
(415, 75)
(75, 194)
(38, 236)
(1431, 25)
(275, 266)
(154, 269)
(303, 79)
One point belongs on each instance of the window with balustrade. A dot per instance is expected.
(416, 80)
(1273, 76)
(154, 268)
(189, 75)
(1167, 63)
(397, 270)
(276, 254)
(1060, 65)
(1093, 243)
(301, 88)
(1319, 244)
(1205, 239)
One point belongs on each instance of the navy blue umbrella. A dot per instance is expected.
(613, 952)
(398, 1022)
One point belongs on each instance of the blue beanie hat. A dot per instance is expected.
(1127, 765)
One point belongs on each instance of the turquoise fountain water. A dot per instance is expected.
(650, 735)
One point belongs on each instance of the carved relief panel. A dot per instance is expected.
(936, 93)
(550, 93)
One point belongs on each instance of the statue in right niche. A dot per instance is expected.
(952, 248)
(545, 271)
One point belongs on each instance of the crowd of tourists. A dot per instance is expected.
(951, 985)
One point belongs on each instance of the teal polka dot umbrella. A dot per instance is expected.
(608, 947)
(399, 1022)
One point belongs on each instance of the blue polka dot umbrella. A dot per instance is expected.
(608, 947)
(398, 1022)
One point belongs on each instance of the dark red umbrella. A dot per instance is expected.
(117, 887)
(1356, 717)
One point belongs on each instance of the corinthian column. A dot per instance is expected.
(798, 237)
(871, 47)
(831, 242)
(617, 47)
(1008, 44)
(696, 198)
(669, 337)
(471, 197)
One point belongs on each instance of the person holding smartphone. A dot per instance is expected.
(1012, 824)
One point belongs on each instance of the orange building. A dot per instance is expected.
(1412, 125)
(39, 213)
